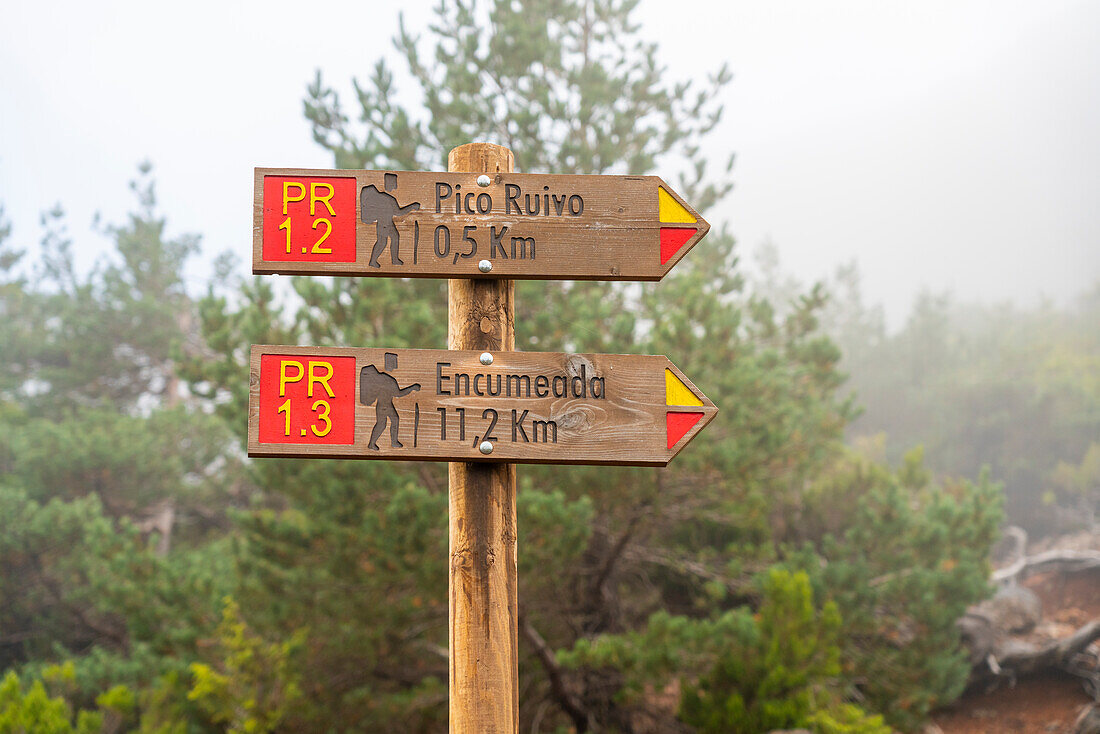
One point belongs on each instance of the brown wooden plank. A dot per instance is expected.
(598, 227)
(483, 583)
(616, 414)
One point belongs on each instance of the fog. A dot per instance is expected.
(836, 521)
(943, 145)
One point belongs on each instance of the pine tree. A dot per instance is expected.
(329, 578)
(601, 549)
(114, 486)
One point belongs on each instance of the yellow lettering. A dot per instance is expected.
(314, 198)
(314, 379)
(317, 249)
(286, 225)
(287, 198)
(323, 415)
(284, 378)
(285, 408)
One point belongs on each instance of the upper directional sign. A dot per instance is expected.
(439, 405)
(448, 225)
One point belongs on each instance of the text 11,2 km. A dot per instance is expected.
(452, 406)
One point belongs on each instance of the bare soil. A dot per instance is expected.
(1047, 702)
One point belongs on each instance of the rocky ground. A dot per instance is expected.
(1051, 700)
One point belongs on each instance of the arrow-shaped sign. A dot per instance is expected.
(440, 405)
(462, 225)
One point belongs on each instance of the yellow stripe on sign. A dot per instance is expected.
(677, 393)
(671, 210)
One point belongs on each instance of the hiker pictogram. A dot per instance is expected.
(382, 388)
(382, 207)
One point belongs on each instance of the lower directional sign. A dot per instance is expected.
(439, 405)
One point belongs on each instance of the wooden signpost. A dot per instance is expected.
(422, 404)
(447, 225)
(479, 405)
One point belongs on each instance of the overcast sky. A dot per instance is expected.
(947, 144)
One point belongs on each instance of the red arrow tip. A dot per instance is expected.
(672, 239)
(677, 424)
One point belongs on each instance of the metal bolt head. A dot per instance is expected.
(484, 266)
(483, 180)
(486, 358)
(486, 447)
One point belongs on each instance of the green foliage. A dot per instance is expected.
(644, 593)
(902, 568)
(137, 465)
(257, 687)
(1012, 389)
(776, 668)
(166, 709)
(611, 550)
(580, 93)
(1008, 388)
(84, 587)
(1079, 485)
(666, 646)
(846, 718)
(556, 529)
(50, 590)
(34, 712)
(114, 484)
(119, 699)
(106, 337)
(361, 570)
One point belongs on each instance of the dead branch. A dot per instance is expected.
(1022, 657)
(162, 520)
(1065, 561)
(1088, 722)
(1009, 658)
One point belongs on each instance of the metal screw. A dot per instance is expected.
(483, 180)
(484, 266)
(486, 358)
(486, 447)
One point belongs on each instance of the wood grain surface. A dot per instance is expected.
(601, 408)
(597, 228)
(483, 582)
(479, 405)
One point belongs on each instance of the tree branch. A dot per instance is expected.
(616, 552)
(1024, 658)
(569, 703)
(688, 567)
(1067, 561)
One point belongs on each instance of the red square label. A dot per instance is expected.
(309, 219)
(307, 399)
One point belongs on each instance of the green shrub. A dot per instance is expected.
(784, 673)
(34, 712)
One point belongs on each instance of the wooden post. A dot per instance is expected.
(484, 673)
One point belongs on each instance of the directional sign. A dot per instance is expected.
(439, 405)
(447, 225)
